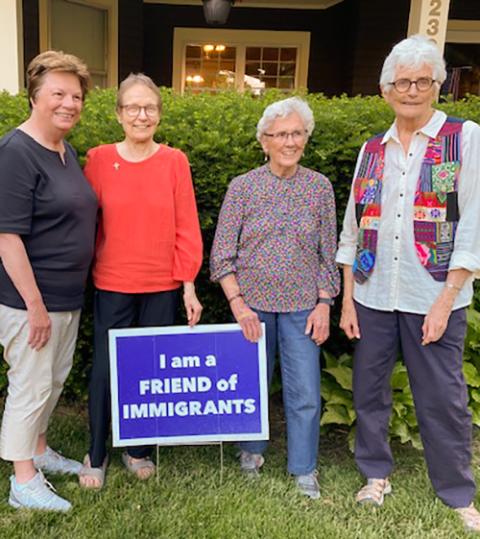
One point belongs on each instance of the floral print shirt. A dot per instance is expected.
(279, 238)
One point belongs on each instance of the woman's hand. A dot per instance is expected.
(436, 320)
(247, 319)
(193, 307)
(40, 325)
(349, 320)
(318, 324)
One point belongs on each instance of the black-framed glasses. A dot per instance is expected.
(283, 136)
(134, 110)
(403, 85)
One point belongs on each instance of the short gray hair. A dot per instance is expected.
(132, 80)
(413, 52)
(282, 109)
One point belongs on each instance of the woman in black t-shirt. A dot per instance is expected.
(47, 226)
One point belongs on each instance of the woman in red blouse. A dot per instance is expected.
(148, 245)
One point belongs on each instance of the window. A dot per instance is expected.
(86, 28)
(215, 60)
(209, 67)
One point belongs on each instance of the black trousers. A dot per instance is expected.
(119, 310)
(439, 392)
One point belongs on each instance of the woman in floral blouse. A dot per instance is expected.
(274, 256)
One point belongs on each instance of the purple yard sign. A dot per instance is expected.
(180, 385)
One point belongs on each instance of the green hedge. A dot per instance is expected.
(218, 135)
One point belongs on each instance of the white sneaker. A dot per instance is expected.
(37, 493)
(53, 462)
(308, 485)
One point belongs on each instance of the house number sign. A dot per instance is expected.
(433, 19)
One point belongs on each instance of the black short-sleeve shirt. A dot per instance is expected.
(51, 206)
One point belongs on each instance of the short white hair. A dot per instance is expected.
(282, 109)
(413, 52)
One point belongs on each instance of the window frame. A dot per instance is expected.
(241, 39)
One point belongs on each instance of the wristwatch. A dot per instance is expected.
(327, 301)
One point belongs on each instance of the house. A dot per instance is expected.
(330, 46)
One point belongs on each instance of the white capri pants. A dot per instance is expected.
(35, 378)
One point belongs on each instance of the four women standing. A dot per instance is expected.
(273, 255)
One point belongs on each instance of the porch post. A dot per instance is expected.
(429, 18)
(11, 45)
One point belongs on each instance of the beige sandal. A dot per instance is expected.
(143, 469)
(470, 518)
(95, 473)
(374, 491)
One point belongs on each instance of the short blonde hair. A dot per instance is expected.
(58, 61)
(134, 79)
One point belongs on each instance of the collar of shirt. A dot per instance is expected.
(430, 129)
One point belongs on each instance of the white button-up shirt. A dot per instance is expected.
(399, 281)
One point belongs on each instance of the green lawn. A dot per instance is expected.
(191, 498)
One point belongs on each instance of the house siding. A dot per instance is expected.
(31, 36)
(130, 37)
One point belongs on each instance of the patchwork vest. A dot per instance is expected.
(436, 212)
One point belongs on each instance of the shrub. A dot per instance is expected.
(218, 135)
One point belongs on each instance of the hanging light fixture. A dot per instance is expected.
(217, 11)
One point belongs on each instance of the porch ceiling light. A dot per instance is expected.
(217, 11)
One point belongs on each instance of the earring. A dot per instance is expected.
(266, 157)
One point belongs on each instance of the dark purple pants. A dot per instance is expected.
(439, 391)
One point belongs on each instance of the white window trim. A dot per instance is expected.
(111, 6)
(460, 31)
(239, 39)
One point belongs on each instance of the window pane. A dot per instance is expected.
(229, 52)
(252, 68)
(289, 54)
(209, 68)
(193, 51)
(287, 69)
(270, 53)
(270, 69)
(192, 67)
(253, 53)
(286, 83)
(80, 30)
(270, 82)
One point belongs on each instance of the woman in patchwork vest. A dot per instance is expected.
(410, 250)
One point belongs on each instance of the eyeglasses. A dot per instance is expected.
(134, 110)
(403, 85)
(283, 136)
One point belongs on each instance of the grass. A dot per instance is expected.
(190, 498)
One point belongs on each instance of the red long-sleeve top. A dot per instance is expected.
(149, 237)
